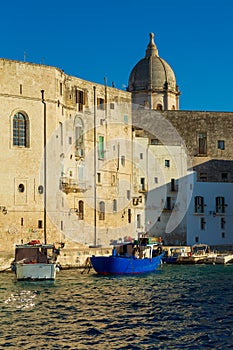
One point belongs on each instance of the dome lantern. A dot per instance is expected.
(151, 48)
(152, 81)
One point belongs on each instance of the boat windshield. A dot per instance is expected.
(200, 249)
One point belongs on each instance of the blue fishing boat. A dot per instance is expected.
(130, 258)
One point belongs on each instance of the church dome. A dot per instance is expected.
(152, 73)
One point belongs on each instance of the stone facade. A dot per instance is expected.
(202, 131)
(71, 108)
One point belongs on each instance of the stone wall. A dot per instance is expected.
(216, 125)
(65, 97)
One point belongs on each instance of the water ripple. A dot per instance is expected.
(179, 307)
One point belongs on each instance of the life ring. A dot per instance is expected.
(34, 242)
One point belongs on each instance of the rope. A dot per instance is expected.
(88, 265)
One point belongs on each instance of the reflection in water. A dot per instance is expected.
(22, 300)
(177, 307)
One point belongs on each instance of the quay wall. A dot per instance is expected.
(70, 257)
(78, 257)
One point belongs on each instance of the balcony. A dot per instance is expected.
(69, 185)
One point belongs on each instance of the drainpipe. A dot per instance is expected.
(45, 168)
(95, 234)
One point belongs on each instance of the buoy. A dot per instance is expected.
(34, 242)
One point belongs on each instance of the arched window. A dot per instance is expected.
(20, 130)
(81, 210)
(79, 142)
(101, 210)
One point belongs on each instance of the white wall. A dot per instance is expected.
(213, 233)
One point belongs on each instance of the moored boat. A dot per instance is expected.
(34, 262)
(200, 254)
(130, 258)
(224, 258)
(173, 254)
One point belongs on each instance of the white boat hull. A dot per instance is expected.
(38, 271)
(224, 258)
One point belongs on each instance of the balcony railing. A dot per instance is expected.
(68, 185)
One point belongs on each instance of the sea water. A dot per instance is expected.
(177, 307)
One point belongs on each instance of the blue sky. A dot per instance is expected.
(93, 40)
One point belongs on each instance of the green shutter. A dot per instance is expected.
(101, 147)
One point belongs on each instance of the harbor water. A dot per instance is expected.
(177, 307)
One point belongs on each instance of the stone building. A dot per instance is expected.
(63, 192)
(203, 141)
(115, 162)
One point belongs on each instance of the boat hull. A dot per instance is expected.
(38, 271)
(115, 265)
(198, 259)
(170, 260)
(224, 259)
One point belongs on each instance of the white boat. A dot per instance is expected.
(200, 254)
(33, 262)
(224, 258)
(173, 254)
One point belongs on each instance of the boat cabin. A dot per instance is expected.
(33, 254)
(200, 249)
(136, 250)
